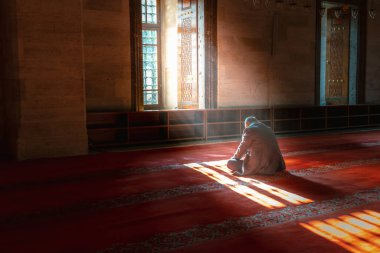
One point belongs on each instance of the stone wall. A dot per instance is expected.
(50, 60)
(266, 56)
(62, 58)
(373, 58)
(107, 54)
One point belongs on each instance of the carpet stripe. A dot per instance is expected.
(119, 173)
(232, 227)
(123, 201)
(345, 146)
(327, 168)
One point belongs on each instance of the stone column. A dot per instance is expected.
(49, 93)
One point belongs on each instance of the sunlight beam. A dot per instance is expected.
(367, 217)
(354, 231)
(349, 232)
(361, 224)
(346, 238)
(373, 213)
(330, 238)
(285, 195)
(241, 189)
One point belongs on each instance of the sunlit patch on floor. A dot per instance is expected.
(358, 232)
(241, 189)
(285, 195)
(242, 185)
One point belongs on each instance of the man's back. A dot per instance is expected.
(263, 153)
(258, 149)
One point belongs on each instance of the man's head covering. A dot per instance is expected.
(250, 121)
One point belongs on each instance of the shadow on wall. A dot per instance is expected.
(9, 85)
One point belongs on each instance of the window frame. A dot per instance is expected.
(153, 27)
(211, 56)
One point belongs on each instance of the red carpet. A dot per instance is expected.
(184, 200)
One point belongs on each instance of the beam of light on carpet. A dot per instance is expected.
(348, 228)
(373, 213)
(241, 189)
(349, 231)
(361, 224)
(285, 195)
(368, 217)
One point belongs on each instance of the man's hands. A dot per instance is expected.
(237, 173)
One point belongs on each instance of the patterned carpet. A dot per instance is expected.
(184, 199)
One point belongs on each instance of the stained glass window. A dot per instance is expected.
(149, 11)
(150, 51)
(150, 67)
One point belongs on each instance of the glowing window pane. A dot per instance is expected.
(150, 97)
(149, 11)
(150, 66)
(149, 37)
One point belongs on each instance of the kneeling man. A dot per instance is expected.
(258, 152)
